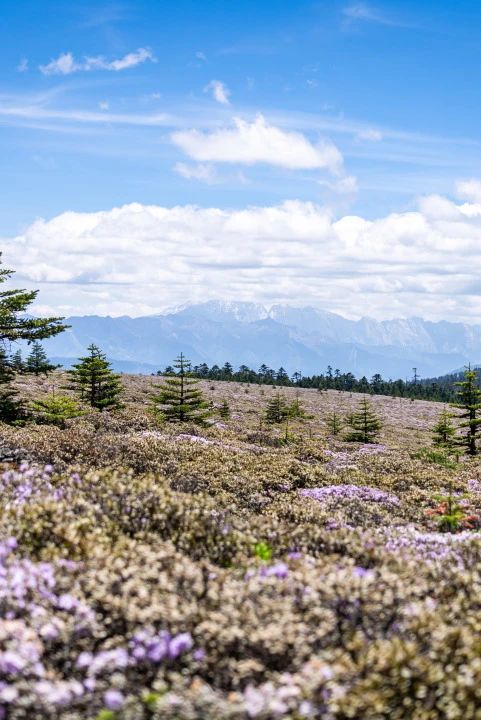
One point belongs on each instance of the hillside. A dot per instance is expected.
(164, 570)
(302, 339)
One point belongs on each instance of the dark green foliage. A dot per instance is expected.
(94, 381)
(11, 409)
(468, 400)
(55, 409)
(14, 325)
(37, 362)
(444, 431)
(16, 361)
(224, 410)
(179, 399)
(276, 409)
(364, 422)
(334, 423)
(295, 409)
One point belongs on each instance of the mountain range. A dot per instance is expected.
(297, 338)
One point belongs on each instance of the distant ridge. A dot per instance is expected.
(301, 339)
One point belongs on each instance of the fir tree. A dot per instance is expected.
(469, 402)
(37, 362)
(18, 366)
(224, 411)
(276, 409)
(178, 399)
(94, 381)
(14, 323)
(364, 422)
(444, 431)
(11, 409)
(334, 423)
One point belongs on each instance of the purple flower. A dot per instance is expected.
(113, 699)
(180, 644)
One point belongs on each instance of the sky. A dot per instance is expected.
(310, 153)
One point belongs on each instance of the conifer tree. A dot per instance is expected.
(444, 431)
(11, 409)
(276, 409)
(37, 362)
(179, 399)
(55, 409)
(364, 422)
(224, 411)
(94, 381)
(18, 366)
(14, 324)
(334, 423)
(469, 402)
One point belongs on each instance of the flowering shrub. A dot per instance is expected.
(210, 574)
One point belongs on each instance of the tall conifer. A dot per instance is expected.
(94, 381)
(364, 422)
(469, 402)
(179, 399)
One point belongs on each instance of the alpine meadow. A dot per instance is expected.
(240, 360)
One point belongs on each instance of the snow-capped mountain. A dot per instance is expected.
(297, 338)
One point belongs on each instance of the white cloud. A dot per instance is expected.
(219, 91)
(370, 134)
(103, 105)
(254, 142)
(139, 259)
(204, 173)
(469, 190)
(201, 56)
(22, 65)
(66, 64)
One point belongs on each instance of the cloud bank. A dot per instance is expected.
(141, 259)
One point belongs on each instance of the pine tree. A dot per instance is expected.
(178, 399)
(444, 431)
(334, 423)
(469, 402)
(364, 422)
(94, 381)
(224, 411)
(16, 361)
(37, 362)
(276, 409)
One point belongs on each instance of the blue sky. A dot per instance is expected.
(358, 108)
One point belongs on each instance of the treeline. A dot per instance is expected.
(442, 389)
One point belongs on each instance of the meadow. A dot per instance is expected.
(237, 570)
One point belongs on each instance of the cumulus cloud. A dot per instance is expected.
(219, 91)
(469, 190)
(138, 259)
(66, 64)
(254, 142)
(22, 65)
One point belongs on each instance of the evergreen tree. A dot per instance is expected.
(276, 409)
(55, 409)
(364, 422)
(17, 364)
(444, 431)
(14, 323)
(224, 411)
(178, 399)
(94, 381)
(37, 362)
(11, 409)
(469, 402)
(334, 423)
